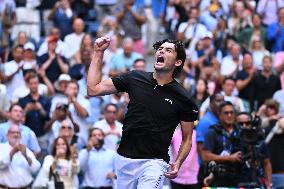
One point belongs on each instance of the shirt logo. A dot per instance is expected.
(169, 100)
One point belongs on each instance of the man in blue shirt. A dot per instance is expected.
(97, 162)
(210, 118)
(275, 32)
(28, 137)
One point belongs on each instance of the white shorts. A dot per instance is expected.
(140, 173)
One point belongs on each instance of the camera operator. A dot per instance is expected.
(245, 121)
(219, 147)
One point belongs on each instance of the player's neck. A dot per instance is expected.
(162, 78)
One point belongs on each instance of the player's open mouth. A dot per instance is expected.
(160, 59)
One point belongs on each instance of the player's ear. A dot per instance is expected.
(178, 63)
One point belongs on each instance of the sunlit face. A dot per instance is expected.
(228, 87)
(87, 41)
(17, 113)
(227, 115)
(267, 64)
(66, 129)
(33, 84)
(201, 86)
(96, 135)
(61, 147)
(78, 26)
(140, 65)
(256, 20)
(72, 89)
(14, 135)
(111, 114)
(247, 61)
(166, 58)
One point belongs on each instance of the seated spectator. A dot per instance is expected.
(62, 16)
(29, 59)
(111, 127)
(62, 162)
(28, 137)
(17, 163)
(51, 63)
(84, 55)
(200, 94)
(122, 61)
(97, 157)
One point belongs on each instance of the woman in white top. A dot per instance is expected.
(62, 161)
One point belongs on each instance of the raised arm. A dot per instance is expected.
(96, 87)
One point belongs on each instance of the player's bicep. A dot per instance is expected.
(105, 87)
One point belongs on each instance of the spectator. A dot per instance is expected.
(155, 12)
(17, 162)
(36, 108)
(62, 162)
(187, 177)
(4, 107)
(122, 61)
(240, 19)
(245, 36)
(62, 14)
(190, 32)
(45, 8)
(279, 97)
(81, 8)
(278, 65)
(97, 157)
(268, 9)
(67, 132)
(276, 143)
(275, 32)
(200, 94)
(258, 51)
(110, 126)
(139, 64)
(131, 16)
(52, 63)
(28, 137)
(78, 106)
(54, 33)
(73, 41)
(83, 56)
(13, 75)
(231, 63)
(265, 83)
(29, 58)
(244, 82)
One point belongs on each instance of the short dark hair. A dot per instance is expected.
(111, 104)
(214, 96)
(179, 48)
(68, 152)
(138, 60)
(95, 128)
(225, 103)
(228, 78)
(73, 81)
(13, 105)
(245, 113)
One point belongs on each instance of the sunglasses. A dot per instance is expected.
(244, 123)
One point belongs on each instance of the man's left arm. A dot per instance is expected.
(187, 129)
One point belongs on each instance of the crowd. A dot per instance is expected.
(234, 72)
